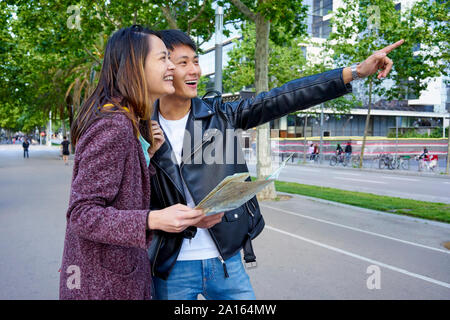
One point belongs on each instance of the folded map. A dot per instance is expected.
(233, 191)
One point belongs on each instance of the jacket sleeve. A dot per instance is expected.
(102, 152)
(295, 95)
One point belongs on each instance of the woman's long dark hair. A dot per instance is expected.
(122, 83)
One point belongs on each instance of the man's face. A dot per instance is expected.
(187, 72)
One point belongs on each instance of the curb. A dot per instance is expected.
(398, 172)
(371, 211)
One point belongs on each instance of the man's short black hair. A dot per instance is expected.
(173, 38)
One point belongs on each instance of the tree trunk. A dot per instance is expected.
(264, 158)
(366, 128)
(70, 115)
(63, 118)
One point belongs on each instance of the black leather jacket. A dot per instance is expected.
(211, 125)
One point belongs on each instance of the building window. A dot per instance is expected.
(322, 7)
(321, 28)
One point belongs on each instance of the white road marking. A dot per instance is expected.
(398, 178)
(356, 229)
(371, 261)
(348, 173)
(362, 180)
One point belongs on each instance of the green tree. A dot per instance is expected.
(286, 62)
(287, 15)
(361, 27)
(51, 50)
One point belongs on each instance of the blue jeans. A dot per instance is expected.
(188, 279)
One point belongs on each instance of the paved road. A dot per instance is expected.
(309, 249)
(409, 185)
(316, 250)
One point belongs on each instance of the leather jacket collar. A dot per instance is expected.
(165, 158)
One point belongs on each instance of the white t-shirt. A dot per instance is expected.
(202, 246)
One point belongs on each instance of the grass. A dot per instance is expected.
(420, 209)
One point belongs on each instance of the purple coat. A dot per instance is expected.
(105, 248)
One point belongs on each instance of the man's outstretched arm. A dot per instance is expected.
(305, 92)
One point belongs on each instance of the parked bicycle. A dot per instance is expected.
(385, 162)
(339, 159)
(400, 162)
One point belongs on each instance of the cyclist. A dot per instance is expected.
(339, 150)
(348, 151)
(315, 153)
(424, 155)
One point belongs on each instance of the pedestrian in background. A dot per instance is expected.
(65, 150)
(311, 151)
(25, 146)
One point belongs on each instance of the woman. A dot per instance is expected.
(339, 149)
(108, 220)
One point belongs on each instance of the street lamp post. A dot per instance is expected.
(304, 136)
(321, 134)
(49, 134)
(396, 136)
(218, 50)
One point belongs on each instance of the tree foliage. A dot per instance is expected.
(361, 27)
(286, 62)
(51, 50)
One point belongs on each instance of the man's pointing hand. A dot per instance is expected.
(378, 61)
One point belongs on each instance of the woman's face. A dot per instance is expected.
(158, 70)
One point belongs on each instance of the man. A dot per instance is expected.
(206, 260)
(424, 154)
(348, 151)
(25, 146)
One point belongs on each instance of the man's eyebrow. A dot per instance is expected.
(186, 57)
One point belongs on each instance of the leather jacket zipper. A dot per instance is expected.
(220, 257)
(210, 232)
(160, 240)
(224, 266)
(156, 255)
